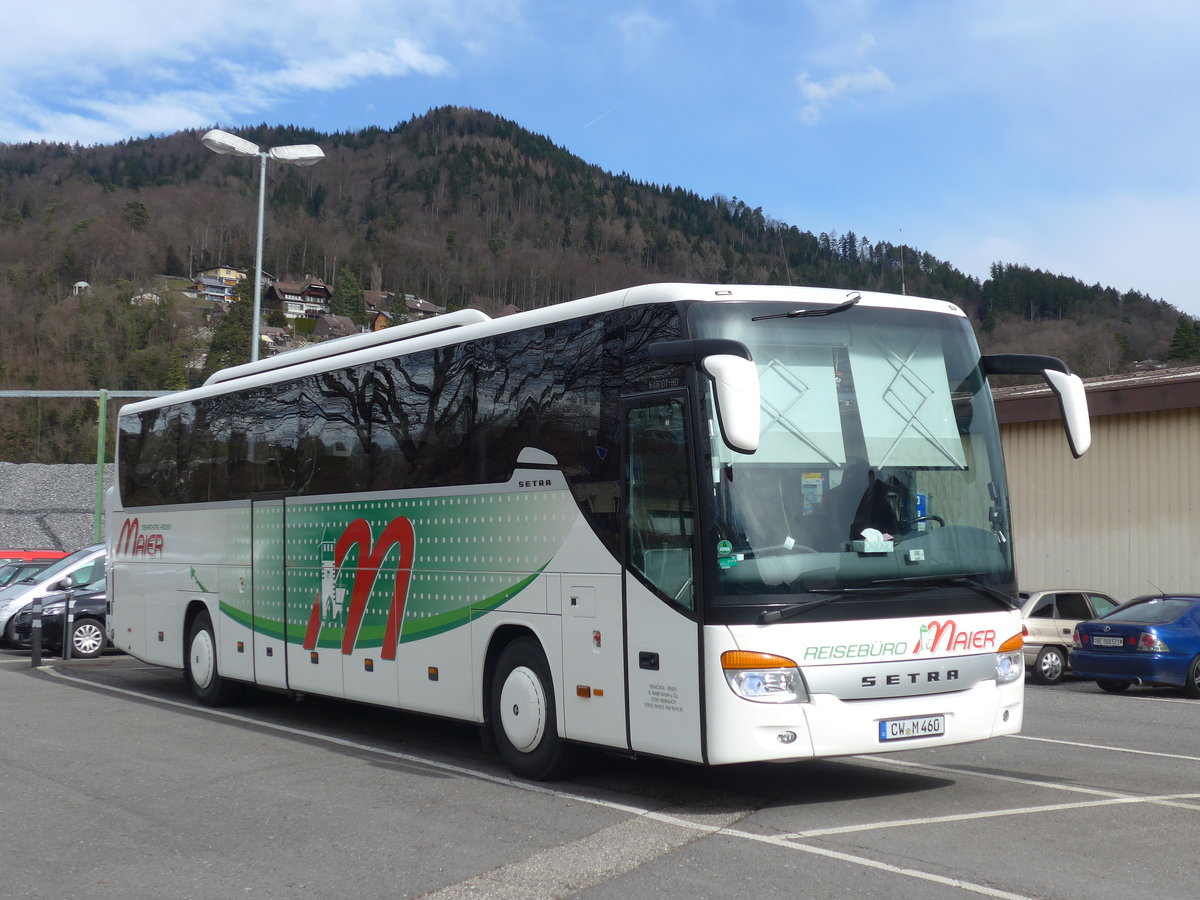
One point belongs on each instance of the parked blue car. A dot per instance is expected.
(1149, 640)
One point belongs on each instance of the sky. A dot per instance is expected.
(1059, 135)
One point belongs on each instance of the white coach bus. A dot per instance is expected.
(711, 523)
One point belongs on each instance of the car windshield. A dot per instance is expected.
(1151, 610)
(42, 575)
(879, 457)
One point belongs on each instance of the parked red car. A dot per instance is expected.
(27, 554)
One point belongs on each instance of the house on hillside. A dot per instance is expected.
(386, 308)
(218, 283)
(329, 326)
(307, 299)
(416, 308)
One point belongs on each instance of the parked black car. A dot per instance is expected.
(88, 637)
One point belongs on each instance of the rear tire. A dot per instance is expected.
(200, 668)
(1191, 686)
(87, 639)
(1050, 667)
(522, 714)
(1114, 687)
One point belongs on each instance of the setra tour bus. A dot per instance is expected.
(711, 523)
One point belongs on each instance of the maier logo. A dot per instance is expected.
(135, 542)
(948, 636)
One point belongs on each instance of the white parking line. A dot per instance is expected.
(1012, 811)
(1167, 800)
(1026, 737)
(700, 824)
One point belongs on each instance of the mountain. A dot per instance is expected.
(457, 206)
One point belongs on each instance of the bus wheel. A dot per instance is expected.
(201, 668)
(522, 713)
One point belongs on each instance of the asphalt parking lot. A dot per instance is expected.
(117, 784)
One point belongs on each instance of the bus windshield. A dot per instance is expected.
(879, 462)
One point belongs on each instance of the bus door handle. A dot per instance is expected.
(648, 659)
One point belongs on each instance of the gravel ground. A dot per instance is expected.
(48, 506)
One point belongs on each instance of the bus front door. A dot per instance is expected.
(662, 634)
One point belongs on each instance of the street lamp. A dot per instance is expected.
(294, 154)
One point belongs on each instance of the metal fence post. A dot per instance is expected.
(68, 624)
(37, 632)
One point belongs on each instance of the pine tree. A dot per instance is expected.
(1185, 344)
(347, 299)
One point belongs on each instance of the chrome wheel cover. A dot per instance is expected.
(523, 709)
(202, 659)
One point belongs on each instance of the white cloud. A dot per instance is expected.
(820, 94)
(83, 72)
(640, 33)
(337, 72)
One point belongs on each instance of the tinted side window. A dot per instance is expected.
(422, 413)
(1044, 608)
(1101, 604)
(330, 419)
(1073, 606)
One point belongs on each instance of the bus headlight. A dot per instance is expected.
(763, 677)
(1010, 660)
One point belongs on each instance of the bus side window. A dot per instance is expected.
(660, 525)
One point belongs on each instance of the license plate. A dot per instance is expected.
(1101, 640)
(915, 727)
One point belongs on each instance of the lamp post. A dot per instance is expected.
(293, 154)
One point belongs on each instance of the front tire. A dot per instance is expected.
(1050, 666)
(522, 713)
(1113, 687)
(10, 632)
(200, 668)
(87, 639)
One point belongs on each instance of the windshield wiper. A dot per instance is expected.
(778, 615)
(832, 595)
(967, 578)
(812, 311)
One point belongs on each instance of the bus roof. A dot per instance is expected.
(471, 324)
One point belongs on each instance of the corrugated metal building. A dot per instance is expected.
(1124, 519)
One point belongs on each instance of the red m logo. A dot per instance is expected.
(398, 533)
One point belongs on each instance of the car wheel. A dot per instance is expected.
(522, 713)
(87, 639)
(1050, 666)
(10, 632)
(200, 669)
(1114, 687)
(1191, 686)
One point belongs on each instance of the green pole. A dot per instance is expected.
(101, 443)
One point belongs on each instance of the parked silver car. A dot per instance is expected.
(84, 566)
(1050, 619)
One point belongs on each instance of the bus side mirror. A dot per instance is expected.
(735, 384)
(1067, 386)
(1072, 403)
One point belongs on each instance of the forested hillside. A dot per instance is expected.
(457, 206)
